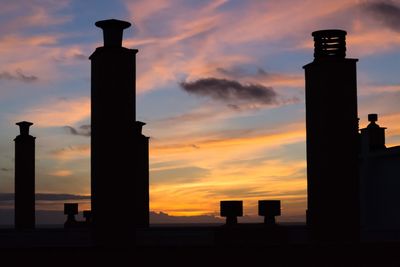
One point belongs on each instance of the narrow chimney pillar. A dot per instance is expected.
(24, 178)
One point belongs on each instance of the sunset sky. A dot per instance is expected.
(206, 143)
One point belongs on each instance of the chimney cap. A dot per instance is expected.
(230, 208)
(140, 123)
(70, 208)
(112, 31)
(112, 23)
(373, 117)
(87, 213)
(329, 33)
(24, 123)
(24, 127)
(329, 43)
(269, 207)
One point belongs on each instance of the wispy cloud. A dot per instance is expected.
(19, 15)
(162, 217)
(18, 75)
(173, 49)
(240, 138)
(29, 37)
(238, 168)
(83, 130)
(72, 152)
(58, 112)
(178, 174)
(46, 197)
(61, 173)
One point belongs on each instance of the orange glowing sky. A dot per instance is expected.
(203, 149)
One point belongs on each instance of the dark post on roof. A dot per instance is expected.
(373, 136)
(231, 209)
(269, 209)
(24, 178)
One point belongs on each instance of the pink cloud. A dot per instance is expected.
(71, 153)
(58, 112)
(61, 173)
(196, 41)
(28, 14)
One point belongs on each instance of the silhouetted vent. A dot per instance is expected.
(112, 31)
(329, 43)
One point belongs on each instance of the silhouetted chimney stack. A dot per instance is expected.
(373, 136)
(24, 178)
(119, 151)
(70, 209)
(142, 201)
(332, 140)
(87, 214)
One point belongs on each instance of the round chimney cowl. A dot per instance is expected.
(373, 117)
(24, 127)
(112, 31)
(329, 44)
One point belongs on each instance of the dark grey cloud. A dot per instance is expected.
(387, 12)
(77, 148)
(83, 130)
(258, 75)
(71, 130)
(251, 191)
(164, 218)
(75, 56)
(80, 56)
(59, 197)
(17, 75)
(231, 92)
(43, 217)
(46, 197)
(6, 197)
(240, 72)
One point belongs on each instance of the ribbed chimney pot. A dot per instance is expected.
(329, 44)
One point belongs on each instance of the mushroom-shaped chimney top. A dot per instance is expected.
(329, 44)
(138, 126)
(70, 208)
(24, 127)
(373, 118)
(112, 31)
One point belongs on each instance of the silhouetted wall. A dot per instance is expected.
(142, 210)
(113, 156)
(24, 178)
(332, 141)
(380, 183)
